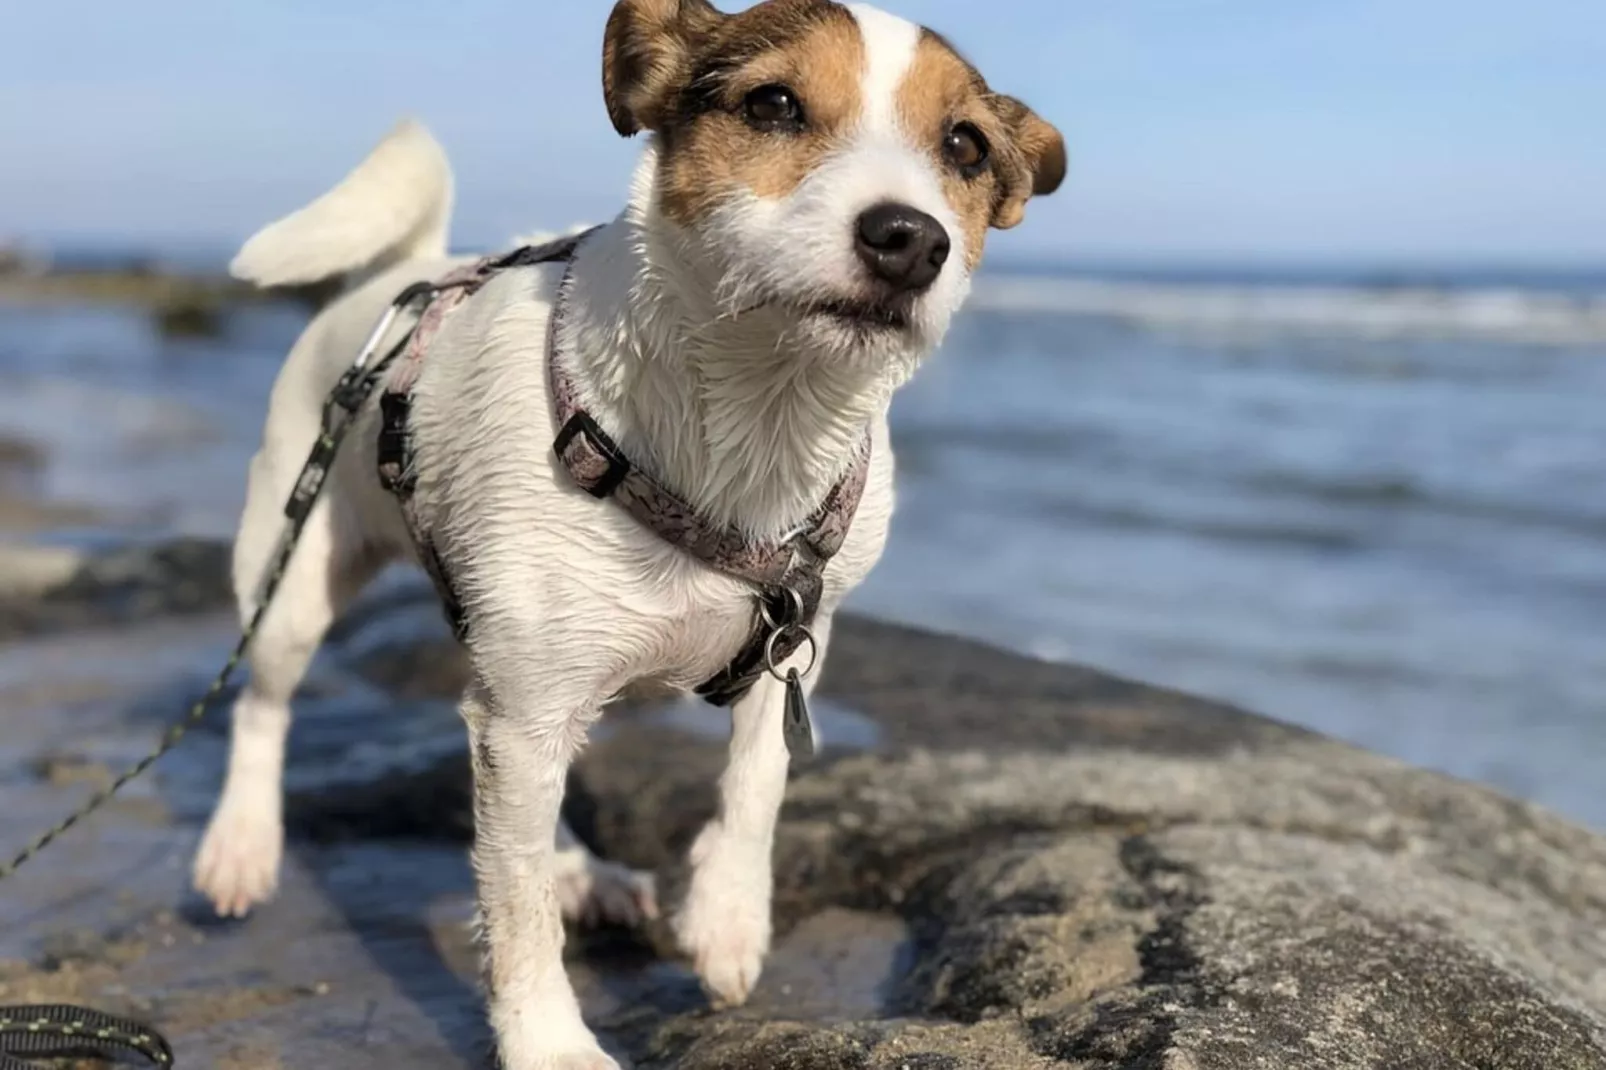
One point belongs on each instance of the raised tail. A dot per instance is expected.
(394, 206)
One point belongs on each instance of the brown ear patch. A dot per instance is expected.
(1038, 161)
(707, 149)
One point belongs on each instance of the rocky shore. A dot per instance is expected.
(995, 863)
(179, 302)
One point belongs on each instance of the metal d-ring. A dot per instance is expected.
(795, 617)
(769, 651)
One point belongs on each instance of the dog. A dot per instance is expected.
(808, 209)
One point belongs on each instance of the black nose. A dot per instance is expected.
(902, 246)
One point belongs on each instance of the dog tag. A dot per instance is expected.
(795, 724)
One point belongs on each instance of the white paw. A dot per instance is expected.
(594, 1059)
(584, 1054)
(586, 1060)
(594, 892)
(724, 925)
(237, 866)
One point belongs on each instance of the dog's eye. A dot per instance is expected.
(965, 148)
(773, 107)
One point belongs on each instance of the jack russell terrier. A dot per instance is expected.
(804, 222)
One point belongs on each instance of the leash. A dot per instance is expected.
(57, 1031)
(63, 1032)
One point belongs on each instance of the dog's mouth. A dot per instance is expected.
(863, 315)
(860, 315)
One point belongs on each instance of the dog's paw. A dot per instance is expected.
(559, 1049)
(728, 962)
(724, 926)
(594, 892)
(595, 1059)
(237, 866)
(589, 1060)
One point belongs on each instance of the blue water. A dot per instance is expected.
(1373, 504)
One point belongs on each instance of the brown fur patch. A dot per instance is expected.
(708, 150)
(941, 89)
(645, 49)
(1038, 159)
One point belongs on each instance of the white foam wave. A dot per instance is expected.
(1501, 315)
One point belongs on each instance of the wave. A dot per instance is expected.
(1237, 311)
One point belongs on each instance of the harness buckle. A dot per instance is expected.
(391, 454)
(595, 462)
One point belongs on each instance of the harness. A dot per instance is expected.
(787, 574)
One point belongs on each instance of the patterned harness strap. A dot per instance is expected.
(395, 452)
(788, 574)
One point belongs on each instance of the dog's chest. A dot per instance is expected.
(535, 553)
(687, 621)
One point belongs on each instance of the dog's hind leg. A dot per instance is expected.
(237, 866)
(592, 890)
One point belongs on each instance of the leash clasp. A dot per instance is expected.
(354, 385)
(394, 309)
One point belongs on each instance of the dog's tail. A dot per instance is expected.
(393, 206)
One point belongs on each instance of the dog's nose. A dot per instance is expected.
(902, 246)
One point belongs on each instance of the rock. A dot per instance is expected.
(1022, 866)
(1103, 875)
(45, 590)
(190, 315)
(27, 572)
(20, 455)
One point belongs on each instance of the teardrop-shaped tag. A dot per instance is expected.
(795, 723)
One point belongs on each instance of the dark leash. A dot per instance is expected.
(61, 1031)
(57, 1031)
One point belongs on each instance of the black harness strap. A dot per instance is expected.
(394, 459)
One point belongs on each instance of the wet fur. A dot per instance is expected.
(692, 343)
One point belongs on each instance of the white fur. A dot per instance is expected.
(751, 410)
(889, 50)
(396, 205)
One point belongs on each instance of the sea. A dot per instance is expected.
(1368, 502)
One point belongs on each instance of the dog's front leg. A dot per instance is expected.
(520, 757)
(724, 924)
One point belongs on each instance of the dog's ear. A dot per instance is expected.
(646, 55)
(1037, 164)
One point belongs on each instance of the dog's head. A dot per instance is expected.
(828, 164)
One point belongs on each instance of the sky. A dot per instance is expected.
(1233, 130)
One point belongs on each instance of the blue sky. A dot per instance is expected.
(1424, 130)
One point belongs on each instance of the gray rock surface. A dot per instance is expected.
(52, 589)
(997, 863)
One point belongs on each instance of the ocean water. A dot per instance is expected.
(1374, 506)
